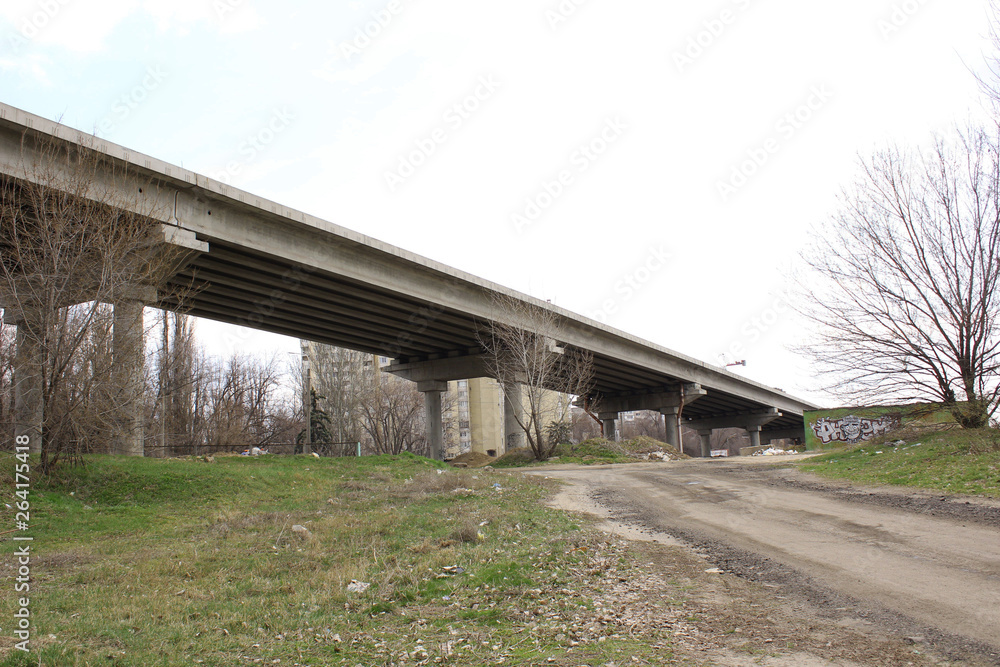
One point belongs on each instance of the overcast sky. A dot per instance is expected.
(654, 165)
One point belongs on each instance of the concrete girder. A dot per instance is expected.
(446, 369)
(654, 401)
(767, 437)
(746, 420)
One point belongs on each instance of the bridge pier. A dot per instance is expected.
(673, 433)
(751, 421)
(433, 421)
(128, 354)
(513, 410)
(706, 442)
(610, 422)
(29, 399)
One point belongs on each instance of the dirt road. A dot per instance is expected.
(915, 566)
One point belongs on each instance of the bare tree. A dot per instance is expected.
(173, 415)
(75, 234)
(244, 407)
(342, 378)
(522, 348)
(904, 281)
(393, 415)
(6, 379)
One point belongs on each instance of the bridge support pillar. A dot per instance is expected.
(513, 410)
(29, 401)
(706, 443)
(673, 433)
(128, 354)
(754, 432)
(433, 421)
(610, 422)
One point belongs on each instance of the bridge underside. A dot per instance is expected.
(258, 264)
(252, 289)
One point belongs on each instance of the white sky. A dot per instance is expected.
(191, 81)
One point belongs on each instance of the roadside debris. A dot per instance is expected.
(358, 586)
(773, 451)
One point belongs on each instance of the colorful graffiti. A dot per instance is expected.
(852, 429)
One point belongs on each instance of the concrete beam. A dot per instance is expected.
(449, 368)
(746, 420)
(767, 437)
(655, 401)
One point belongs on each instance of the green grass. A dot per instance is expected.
(596, 451)
(956, 461)
(146, 562)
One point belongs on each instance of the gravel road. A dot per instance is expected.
(917, 566)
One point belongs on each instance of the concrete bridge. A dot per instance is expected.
(259, 264)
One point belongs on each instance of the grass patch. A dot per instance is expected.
(151, 562)
(955, 461)
(596, 451)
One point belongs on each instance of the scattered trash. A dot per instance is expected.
(772, 451)
(301, 531)
(715, 570)
(450, 571)
(440, 472)
(496, 485)
(315, 455)
(486, 523)
(898, 443)
(358, 586)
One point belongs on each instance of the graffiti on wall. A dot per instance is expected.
(852, 429)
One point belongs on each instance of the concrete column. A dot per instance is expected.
(673, 433)
(754, 432)
(29, 404)
(706, 443)
(129, 354)
(433, 422)
(513, 409)
(610, 421)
